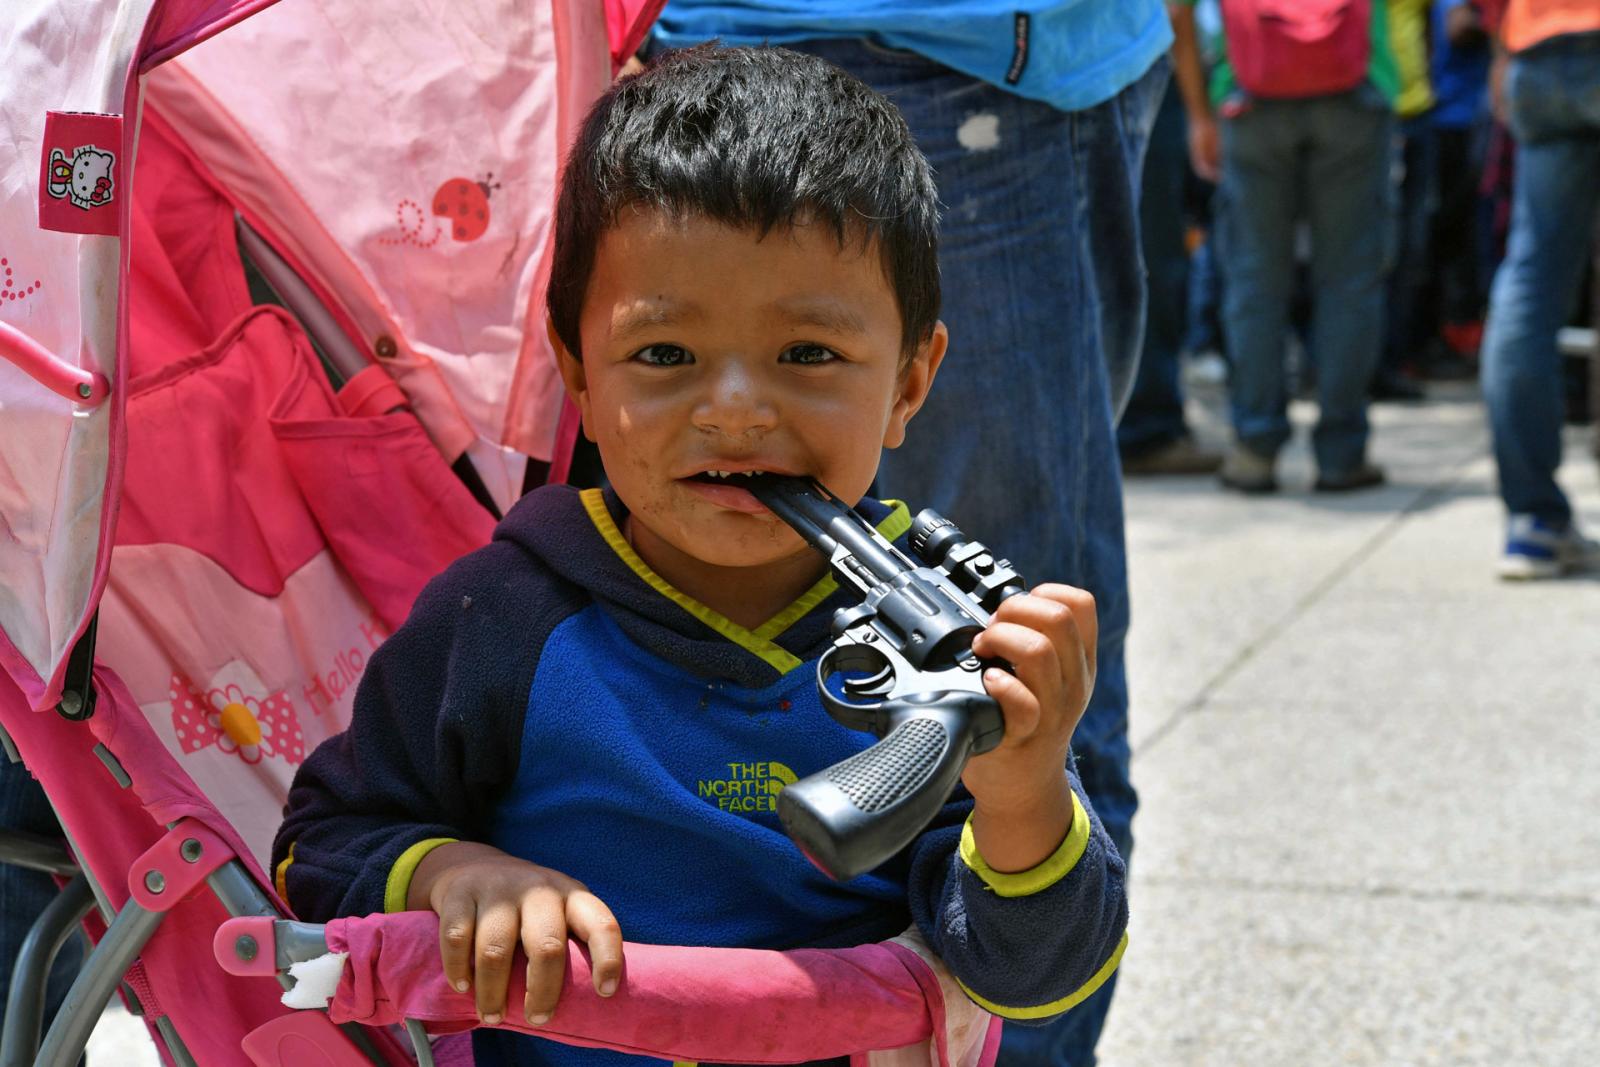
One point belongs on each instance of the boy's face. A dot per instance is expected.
(706, 348)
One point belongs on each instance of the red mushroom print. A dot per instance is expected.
(463, 205)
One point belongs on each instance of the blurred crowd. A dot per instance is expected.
(1306, 238)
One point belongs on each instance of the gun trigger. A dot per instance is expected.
(871, 685)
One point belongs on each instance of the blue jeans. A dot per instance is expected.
(1553, 92)
(1324, 159)
(1044, 296)
(1204, 329)
(1411, 317)
(24, 893)
(1155, 410)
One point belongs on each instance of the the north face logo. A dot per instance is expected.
(748, 787)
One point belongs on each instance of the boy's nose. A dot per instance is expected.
(734, 405)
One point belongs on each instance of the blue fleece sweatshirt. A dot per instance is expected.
(553, 696)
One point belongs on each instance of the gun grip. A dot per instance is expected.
(853, 816)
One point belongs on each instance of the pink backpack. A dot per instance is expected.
(1287, 49)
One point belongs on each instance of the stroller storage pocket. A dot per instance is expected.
(266, 545)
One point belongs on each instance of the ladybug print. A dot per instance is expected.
(10, 287)
(463, 205)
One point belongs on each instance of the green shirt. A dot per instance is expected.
(1381, 69)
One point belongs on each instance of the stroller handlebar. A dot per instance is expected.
(740, 1005)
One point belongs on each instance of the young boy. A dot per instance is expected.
(581, 729)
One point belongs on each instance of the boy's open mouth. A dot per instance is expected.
(730, 489)
(739, 478)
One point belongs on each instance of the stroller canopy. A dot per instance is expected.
(399, 159)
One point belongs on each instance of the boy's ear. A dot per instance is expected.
(572, 375)
(916, 378)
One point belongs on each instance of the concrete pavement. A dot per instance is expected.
(1370, 771)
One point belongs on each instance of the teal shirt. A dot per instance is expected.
(1072, 54)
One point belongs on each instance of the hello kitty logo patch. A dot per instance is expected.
(79, 181)
(85, 179)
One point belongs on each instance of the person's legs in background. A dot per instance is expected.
(24, 894)
(1154, 437)
(1456, 255)
(1408, 323)
(1203, 332)
(1554, 98)
(1255, 212)
(1348, 206)
(1044, 297)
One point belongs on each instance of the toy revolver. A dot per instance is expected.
(901, 666)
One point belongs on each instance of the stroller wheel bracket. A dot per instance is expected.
(176, 865)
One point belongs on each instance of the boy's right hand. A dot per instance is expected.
(488, 903)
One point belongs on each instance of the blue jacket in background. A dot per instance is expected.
(1071, 54)
(1460, 75)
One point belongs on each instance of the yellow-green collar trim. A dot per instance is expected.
(759, 641)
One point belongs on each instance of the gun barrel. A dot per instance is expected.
(828, 523)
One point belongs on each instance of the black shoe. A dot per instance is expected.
(1364, 476)
(1395, 386)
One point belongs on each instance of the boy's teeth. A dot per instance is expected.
(730, 474)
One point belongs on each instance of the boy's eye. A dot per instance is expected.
(663, 356)
(808, 355)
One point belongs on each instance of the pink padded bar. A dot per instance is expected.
(79, 386)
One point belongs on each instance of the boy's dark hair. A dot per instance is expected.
(757, 138)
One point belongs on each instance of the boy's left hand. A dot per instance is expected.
(1049, 637)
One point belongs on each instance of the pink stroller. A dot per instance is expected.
(273, 356)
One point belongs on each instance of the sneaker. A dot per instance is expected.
(1181, 455)
(1247, 471)
(1535, 549)
(1208, 368)
(1364, 476)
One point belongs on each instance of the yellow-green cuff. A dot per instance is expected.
(400, 875)
(1036, 879)
(1055, 1007)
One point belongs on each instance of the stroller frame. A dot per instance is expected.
(129, 928)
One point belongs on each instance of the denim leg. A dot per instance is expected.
(1455, 227)
(1349, 206)
(1043, 296)
(1555, 107)
(25, 894)
(1257, 202)
(1154, 416)
(1408, 321)
(1204, 329)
